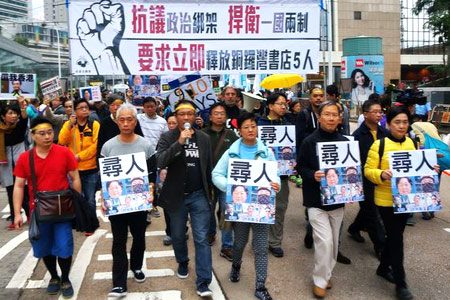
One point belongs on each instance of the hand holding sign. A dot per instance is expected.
(100, 31)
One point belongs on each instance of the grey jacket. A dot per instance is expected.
(170, 154)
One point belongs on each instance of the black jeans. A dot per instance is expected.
(368, 218)
(119, 226)
(393, 255)
(25, 203)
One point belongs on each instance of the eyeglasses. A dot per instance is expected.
(331, 116)
(376, 112)
(82, 108)
(281, 104)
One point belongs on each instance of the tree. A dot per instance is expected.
(21, 40)
(439, 23)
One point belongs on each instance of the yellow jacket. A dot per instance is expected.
(85, 143)
(372, 169)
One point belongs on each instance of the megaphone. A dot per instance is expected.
(250, 100)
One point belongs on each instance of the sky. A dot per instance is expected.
(37, 8)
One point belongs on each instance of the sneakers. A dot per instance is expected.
(235, 275)
(386, 274)
(54, 286)
(403, 293)
(262, 294)
(167, 241)
(203, 290)
(11, 227)
(183, 271)
(227, 253)
(139, 276)
(149, 218)
(343, 259)
(67, 290)
(276, 251)
(155, 213)
(410, 221)
(118, 292)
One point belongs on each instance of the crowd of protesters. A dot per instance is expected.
(70, 134)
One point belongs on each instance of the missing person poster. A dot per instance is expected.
(249, 196)
(91, 93)
(13, 85)
(144, 86)
(281, 140)
(125, 185)
(51, 88)
(415, 183)
(342, 182)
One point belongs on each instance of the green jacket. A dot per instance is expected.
(214, 136)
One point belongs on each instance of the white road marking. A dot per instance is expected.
(6, 209)
(13, 243)
(163, 295)
(216, 289)
(82, 261)
(24, 272)
(447, 229)
(147, 254)
(148, 273)
(147, 233)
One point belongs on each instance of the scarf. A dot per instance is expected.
(4, 129)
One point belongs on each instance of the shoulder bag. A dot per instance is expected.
(51, 206)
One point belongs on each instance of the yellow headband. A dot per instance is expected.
(185, 106)
(316, 89)
(42, 126)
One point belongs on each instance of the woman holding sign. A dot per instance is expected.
(377, 171)
(247, 147)
(325, 220)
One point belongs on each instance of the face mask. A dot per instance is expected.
(138, 188)
(428, 187)
(352, 178)
(287, 156)
(263, 199)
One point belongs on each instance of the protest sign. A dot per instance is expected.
(51, 88)
(91, 93)
(142, 38)
(249, 197)
(144, 86)
(125, 185)
(414, 181)
(281, 139)
(13, 85)
(199, 91)
(342, 182)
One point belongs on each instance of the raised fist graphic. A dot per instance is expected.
(100, 31)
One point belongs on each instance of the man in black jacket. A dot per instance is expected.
(367, 217)
(186, 153)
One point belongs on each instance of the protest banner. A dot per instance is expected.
(199, 91)
(144, 86)
(125, 185)
(249, 196)
(281, 139)
(91, 93)
(13, 85)
(142, 38)
(51, 88)
(414, 182)
(341, 163)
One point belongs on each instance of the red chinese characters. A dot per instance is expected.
(237, 20)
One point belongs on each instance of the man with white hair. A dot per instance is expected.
(127, 142)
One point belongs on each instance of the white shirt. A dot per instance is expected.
(152, 128)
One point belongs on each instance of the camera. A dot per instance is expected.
(410, 97)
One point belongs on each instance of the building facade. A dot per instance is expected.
(13, 9)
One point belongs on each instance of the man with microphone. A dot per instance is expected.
(186, 153)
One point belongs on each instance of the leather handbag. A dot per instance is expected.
(51, 206)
